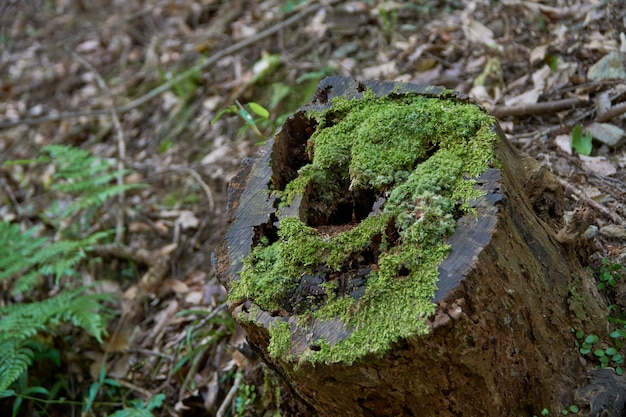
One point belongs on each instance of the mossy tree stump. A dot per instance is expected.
(390, 253)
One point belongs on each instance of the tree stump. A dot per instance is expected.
(390, 253)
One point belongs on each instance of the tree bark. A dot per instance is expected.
(510, 291)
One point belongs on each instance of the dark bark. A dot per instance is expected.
(509, 293)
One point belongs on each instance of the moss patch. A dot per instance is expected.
(386, 181)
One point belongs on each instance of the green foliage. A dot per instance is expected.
(27, 258)
(28, 327)
(207, 330)
(87, 177)
(245, 398)
(609, 356)
(573, 409)
(241, 111)
(140, 409)
(581, 142)
(21, 323)
(289, 5)
(389, 19)
(609, 274)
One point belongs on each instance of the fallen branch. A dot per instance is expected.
(537, 108)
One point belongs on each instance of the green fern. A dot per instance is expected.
(20, 323)
(86, 176)
(16, 357)
(27, 258)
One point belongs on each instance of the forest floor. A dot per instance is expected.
(143, 83)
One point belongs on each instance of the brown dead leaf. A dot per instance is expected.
(117, 342)
(177, 286)
(138, 227)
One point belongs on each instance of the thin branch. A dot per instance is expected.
(616, 110)
(201, 183)
(208, 62)
(221, 412)
(537, 108)
(571, 190)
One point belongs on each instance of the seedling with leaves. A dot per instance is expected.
(610, 274)
(241, 111)
(581, 142)
(606, 356)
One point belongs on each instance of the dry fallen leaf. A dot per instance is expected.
(117, 342)
(177, 286)
(598, 164)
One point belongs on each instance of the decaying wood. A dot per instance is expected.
(604, 395)
(509, 293)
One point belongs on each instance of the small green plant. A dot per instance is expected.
(581, 142)
(245, 397)
(207, 330)
(606, 356)
(241, 111)
(389, 20)
(609, 274)
(139, 408)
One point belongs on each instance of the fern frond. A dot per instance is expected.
(72, 162)
(26, 282)
(88, 182)
(19, 247)
(88, 177)
(86, 312)
(23, 252)
(15, 358)
(20, 323)
(95, 197)
(23, 321)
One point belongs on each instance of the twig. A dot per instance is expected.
(229, 398)
(209, 61)
(571, 190)
(121, 146)
(149, 352)
(201, 183)
(614, 111)
(139, 255)
(536, 108)
(134, 387)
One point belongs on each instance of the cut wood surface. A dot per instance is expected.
(510, 289)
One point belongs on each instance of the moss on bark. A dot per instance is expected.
(390, 175)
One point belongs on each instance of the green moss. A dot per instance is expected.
(418, 156)
(280, 338)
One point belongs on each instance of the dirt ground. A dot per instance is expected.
(144, 82)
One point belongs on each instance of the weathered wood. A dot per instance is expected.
(509, 292)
